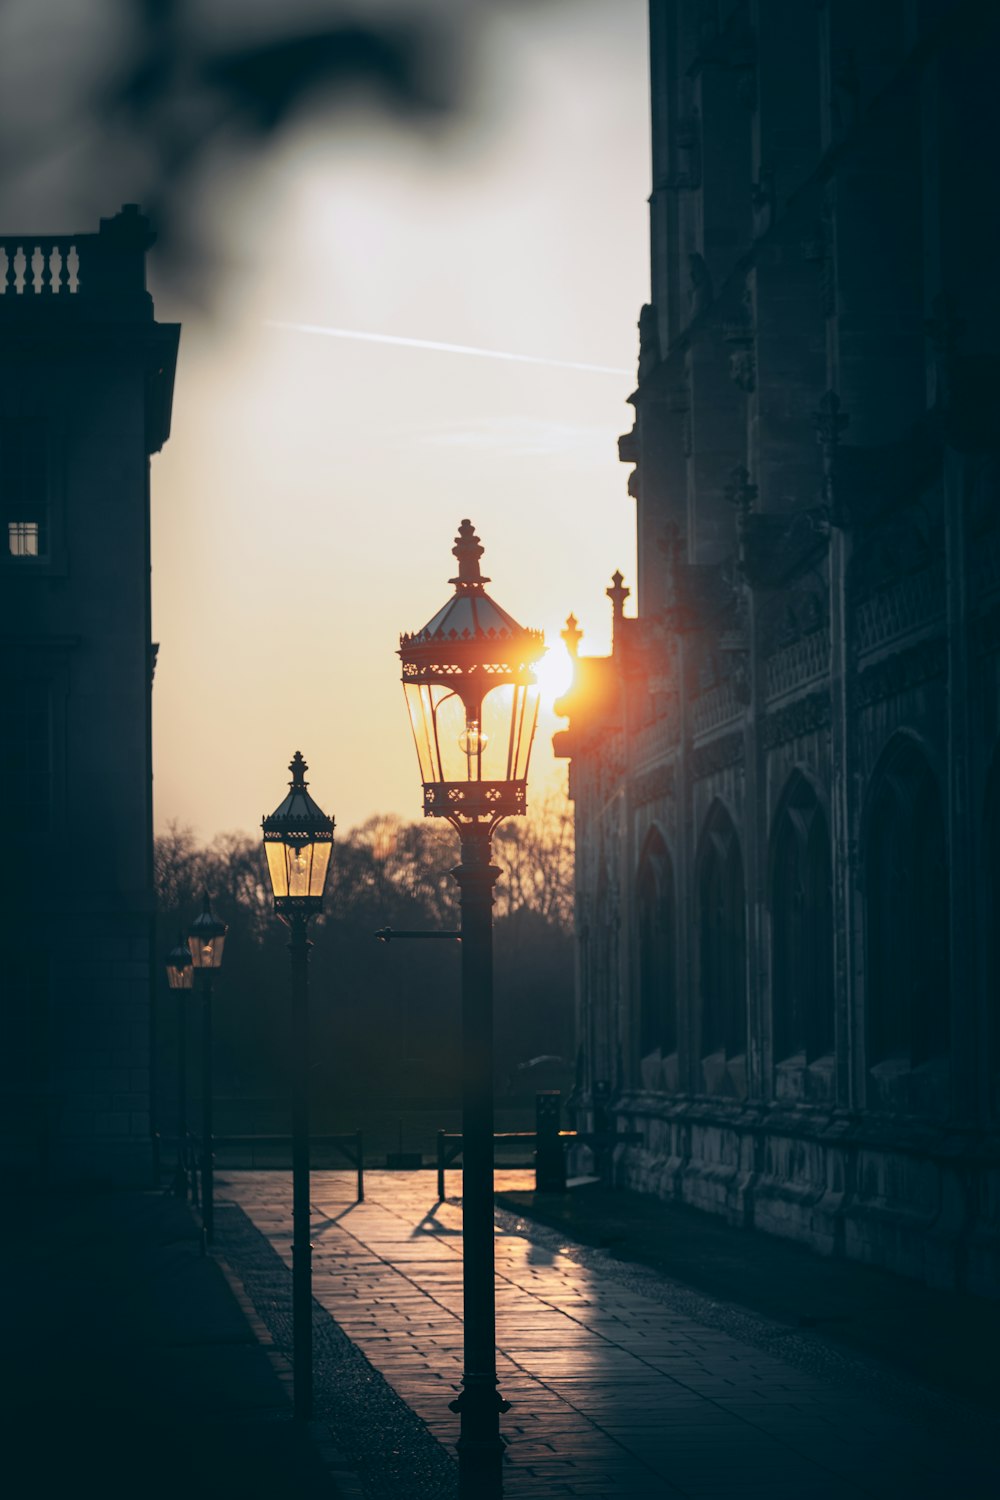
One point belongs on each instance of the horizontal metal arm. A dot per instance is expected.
(386, 935)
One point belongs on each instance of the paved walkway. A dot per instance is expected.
(619, 1390)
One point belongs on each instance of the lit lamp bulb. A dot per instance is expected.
(206, 955)
(472, 742)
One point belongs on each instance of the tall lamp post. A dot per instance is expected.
(473, 703)
(180, 978)
(206, 938)
(298, 842)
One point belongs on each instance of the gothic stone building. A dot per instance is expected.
(86, 378)
(786, 775)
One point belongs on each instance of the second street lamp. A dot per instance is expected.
(180, 978)
(206, 939)
(298, 842)
(473, 701)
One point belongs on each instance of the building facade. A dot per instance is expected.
(86, 380)
(786, 775)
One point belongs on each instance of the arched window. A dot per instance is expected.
(906, 881)
(722, 938)
(801, 926)
(657, 950)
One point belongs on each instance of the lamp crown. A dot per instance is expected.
(468, 549)
(298, 768)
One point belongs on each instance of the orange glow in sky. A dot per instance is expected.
(305, 506)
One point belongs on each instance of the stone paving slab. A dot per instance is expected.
(615, 1392)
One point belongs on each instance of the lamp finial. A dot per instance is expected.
(572, 635)
(468, 549)
(617, 594)
(298, 768)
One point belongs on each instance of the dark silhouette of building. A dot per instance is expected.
(86, 380)
(786, 775)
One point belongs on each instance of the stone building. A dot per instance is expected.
(86, 381)
(786, 775)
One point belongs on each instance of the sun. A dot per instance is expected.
(554, 673)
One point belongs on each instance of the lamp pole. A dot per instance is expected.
(207, 1165)
(181, 1182)
(480, 1446)
(180, 978)
(473, 703)
(206, 939)
(299, 946)
(298, 842)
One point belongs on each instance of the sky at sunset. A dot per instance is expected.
(304, 508)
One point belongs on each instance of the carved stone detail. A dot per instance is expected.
(895, 675)
(659, 782)
(802, 717)
(685, 173)
(792, 615)
(907, 606)
(743, 369)
(718, 755)
(830, 423)
(774, 548)
(803, 661)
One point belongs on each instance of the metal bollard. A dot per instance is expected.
(550, 1162)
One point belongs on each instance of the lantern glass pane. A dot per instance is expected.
(277, 866)
(508, 722)
(301, 861)
(441, 731)
(320, 867)
(420, 709)
(180, 976)
(206, 953)
(464, 740)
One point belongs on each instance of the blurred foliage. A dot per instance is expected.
(160, 101)
(385, 1018)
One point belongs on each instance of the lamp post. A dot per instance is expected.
(206, 938)
(473, 704)
(180, 978)
(298, 842)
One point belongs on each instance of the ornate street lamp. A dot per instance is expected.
(298, 842)
(473, 703)
(180, 977)
(206, 939)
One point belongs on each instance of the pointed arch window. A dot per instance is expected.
(657, 950)
(801, 927)
(721, 938)
(906, 882)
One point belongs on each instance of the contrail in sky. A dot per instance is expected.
(392, 338)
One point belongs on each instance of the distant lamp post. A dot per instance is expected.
(298, 842)
(206, 939)
(180, 978)
(473, 702)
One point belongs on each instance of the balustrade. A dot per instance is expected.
(94, 275)
(34, 265)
